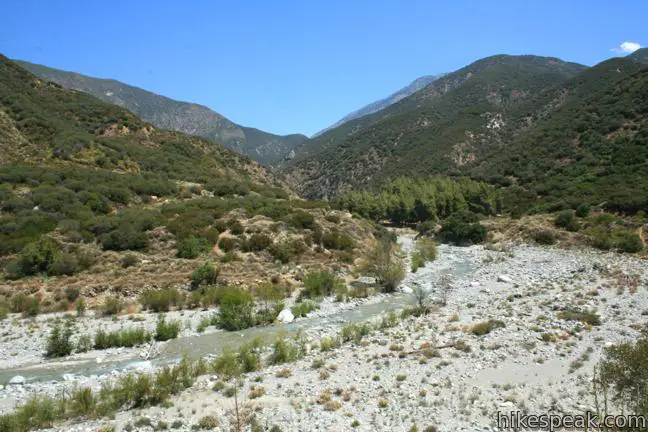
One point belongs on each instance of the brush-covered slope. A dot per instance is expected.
(438, 129)
(587, 141)
(97, 199)
(166, 113)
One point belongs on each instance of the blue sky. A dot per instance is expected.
(298, 66)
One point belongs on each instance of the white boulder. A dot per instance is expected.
(18, 380)
(504, 278)
(285, 316)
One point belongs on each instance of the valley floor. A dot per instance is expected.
(395, 378)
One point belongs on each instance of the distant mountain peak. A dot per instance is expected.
(640, 56)
(381, 104)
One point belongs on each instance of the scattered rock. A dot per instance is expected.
(504, 278)
(18, 380)
(285, 316)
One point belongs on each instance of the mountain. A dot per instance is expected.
(641, 56)
(166, 113)
(373, 107)
(443, 128)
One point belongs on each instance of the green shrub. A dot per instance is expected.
(192, 247)
(328, 343)
(236, 310)
(302, 220)
(227, 365)
(417, 261)
(302, 309)
(544, 237)
(621, 377)
(165, 330)
(127, 338)
(59, 342)
(320, 284)
(4, 313)
(206, 274)
(161, 300)
(388, 269)
(112, 306)
(287, 250)
(582, 211)
(129, 260)
(35, 258)
(207, 422)
(486, 327)
(630, 242)
(84, 344)
(462, 229)
(427, 248)
(333, 218)
(63, 264)
(584, 317)
(284, 351)
(235, 226)
(71, 293)
(249, 355)
(125, 237)
(228, 244)
(566, 220)
(29, 306)
(355, 332)
(337, 240)
(80, 307)
(257, 242)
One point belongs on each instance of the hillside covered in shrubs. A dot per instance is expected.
(95, 199)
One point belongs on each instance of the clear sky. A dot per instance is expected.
(298, 66)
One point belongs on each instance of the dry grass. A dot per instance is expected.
(159, 266)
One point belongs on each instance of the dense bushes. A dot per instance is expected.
(622, 377)
(192, 247)
(205, 274)
(127, 338)
(125, 237)
(424, 251)
(165, 330)
(337, 240)
(406, 200)
(462, 229)
(27, 305)
(36, 258)
(236, 310)
(608, 232)
(45, 256)
(544, 237)
(257, 243)
(566, 220)
(287, 250)
(321, 284)
(161, 300)
(380, 262)
(59, 342)
(302, 220)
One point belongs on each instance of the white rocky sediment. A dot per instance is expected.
(510, 368)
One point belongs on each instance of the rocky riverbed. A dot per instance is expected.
(434, 370)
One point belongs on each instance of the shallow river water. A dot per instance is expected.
(451, 262)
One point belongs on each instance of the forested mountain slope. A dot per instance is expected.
(439, 129)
